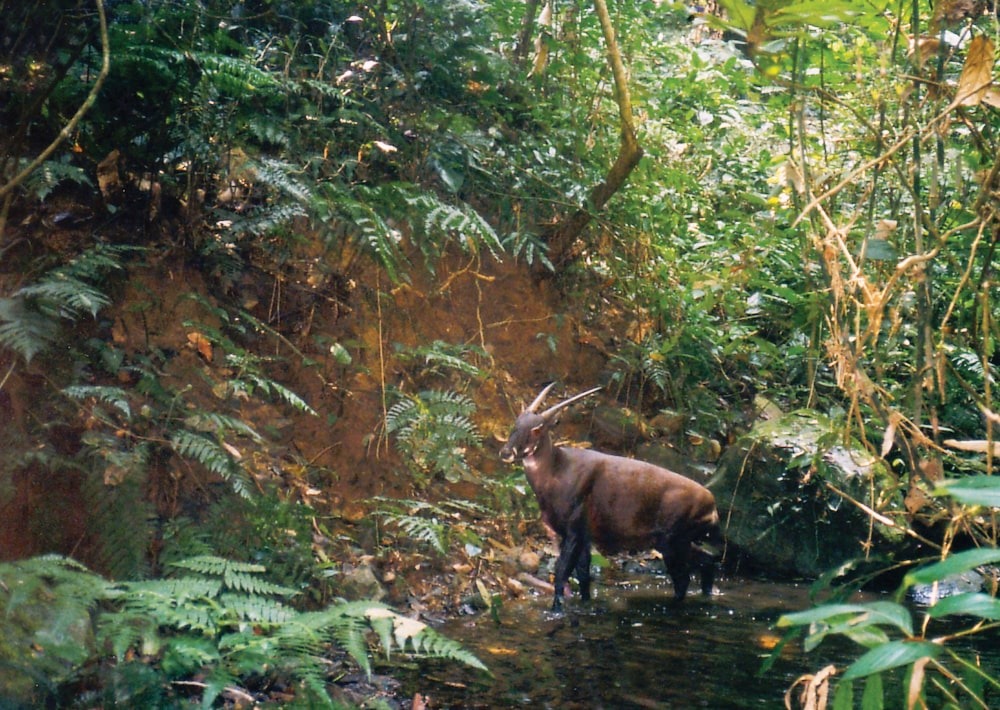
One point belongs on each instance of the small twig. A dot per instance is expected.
(885, 520)
(68, 129)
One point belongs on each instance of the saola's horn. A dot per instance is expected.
(540, 398)
(551, 411)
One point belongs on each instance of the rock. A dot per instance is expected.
(928, 594)
(668, 423)
(529, 561)
(361, 583)
(616, 428)
(661, 453)
(773, 489)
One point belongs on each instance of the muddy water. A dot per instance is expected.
(630, 648)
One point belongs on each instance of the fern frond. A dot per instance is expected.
(113, 396)
(420, 529)
(232, 75)
(216, 423)
(277, 389)
(257, 609)
(433, 429)
(440, 356)
(265, 220)
(65, 296)
(51, 174)
(218, 566)
(119, 514)
(213, 456)
(278, 174)
(23, 329)
(530, 246)
(396, 630)
(28, 320)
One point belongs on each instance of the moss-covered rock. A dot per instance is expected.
(46, 632)
(785, 493)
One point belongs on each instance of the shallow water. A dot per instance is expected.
(633, 647)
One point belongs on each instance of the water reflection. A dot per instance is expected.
(631, 648)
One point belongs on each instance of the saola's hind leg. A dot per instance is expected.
(706, 555)
(705, 562)
(676, 560)
(582, 572)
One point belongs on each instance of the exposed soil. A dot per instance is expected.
(531, 334)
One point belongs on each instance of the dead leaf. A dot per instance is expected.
(991, 97)
(202, 344)
(977, 446)
(977, 74)
(915, 500)
(108, 178)
(233, 451)
(815, 691)
(542, 41)
(888, 439)
(932, 469)
(916, 683)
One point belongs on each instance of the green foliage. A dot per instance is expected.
(30, 318)
(47, 603)
(215, 619)
(891, 640)
(434, 524)
(52, 173)
(433, 429)
(439, 359)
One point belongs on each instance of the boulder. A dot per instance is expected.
(777, 492)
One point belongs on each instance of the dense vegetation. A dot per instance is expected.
(813, 222)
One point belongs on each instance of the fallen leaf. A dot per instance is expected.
(202, 344)
(977, 74)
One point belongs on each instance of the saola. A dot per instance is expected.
(616, 503)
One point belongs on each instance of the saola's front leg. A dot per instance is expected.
(574, 554)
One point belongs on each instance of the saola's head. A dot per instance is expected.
(530, 427)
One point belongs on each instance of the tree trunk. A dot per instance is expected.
(563, 238)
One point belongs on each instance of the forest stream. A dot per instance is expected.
(634, 647)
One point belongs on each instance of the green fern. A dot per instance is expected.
(529, 245)
(113, 396)
(220, 424)
(52, 173)
(433, 430)
(220, 619)
(29, 319)
(440, 357)
(429, 523)
(119, 518)
(24, 330)
(265, 220)
(213, 456)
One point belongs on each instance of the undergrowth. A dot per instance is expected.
(212, 628)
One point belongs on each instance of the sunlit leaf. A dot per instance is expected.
(972, 490)
(955, 564)
(873, 697)
(852, 616)
(891, 655)
(977, 74)
(820, 613)
(971, 604)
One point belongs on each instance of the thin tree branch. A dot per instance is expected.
(68, 129)
(565, 233)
